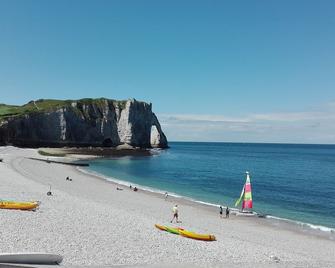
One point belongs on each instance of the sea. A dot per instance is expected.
(293, 182)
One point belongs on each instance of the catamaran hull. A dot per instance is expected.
(246, 214)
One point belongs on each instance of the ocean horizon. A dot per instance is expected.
(289, 181)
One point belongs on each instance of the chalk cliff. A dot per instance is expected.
(85, 122)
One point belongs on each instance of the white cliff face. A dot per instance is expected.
(62, 124)
(124, 126)
(100, 123)
(104, 120)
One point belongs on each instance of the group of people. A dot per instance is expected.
(175, 212)
(49, 193)
(227, 212)
(133, 188)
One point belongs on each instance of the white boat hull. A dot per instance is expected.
(246, 214)
(30, 258)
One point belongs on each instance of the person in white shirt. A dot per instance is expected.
(175, 213)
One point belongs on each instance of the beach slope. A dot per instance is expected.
(89, 222)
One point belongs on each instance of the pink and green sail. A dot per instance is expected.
(246, 196)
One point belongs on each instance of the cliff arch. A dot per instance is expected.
(157, 137)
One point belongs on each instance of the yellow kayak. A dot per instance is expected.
(204, 237)
(160, 227)
(18, 205)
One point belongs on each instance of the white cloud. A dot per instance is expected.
(314, 126)
(201, 117)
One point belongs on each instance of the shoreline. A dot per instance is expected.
(289, 224)
(94, 152)
(80, 154)
(89, 222)
(302, 222)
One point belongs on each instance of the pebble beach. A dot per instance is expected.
(91, 223)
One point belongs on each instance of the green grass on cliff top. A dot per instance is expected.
(43, 105)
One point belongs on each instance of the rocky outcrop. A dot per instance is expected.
(102, 123)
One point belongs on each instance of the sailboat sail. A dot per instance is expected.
(238, 201)
(247, 200)
(246, 195)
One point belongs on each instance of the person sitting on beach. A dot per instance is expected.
(227, 212)
(49, 192)
(175, 214)
(135, 189)
(221, 211)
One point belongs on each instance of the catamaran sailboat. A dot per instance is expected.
(246, 197)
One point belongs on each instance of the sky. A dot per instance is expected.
(232, 71)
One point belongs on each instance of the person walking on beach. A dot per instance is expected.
(227, 212)
(166, 195)
(175, 213)
(221, 211)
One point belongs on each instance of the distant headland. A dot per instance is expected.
(125, 124)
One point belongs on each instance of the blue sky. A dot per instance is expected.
(214, 70)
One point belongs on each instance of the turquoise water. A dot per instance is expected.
(290, 181)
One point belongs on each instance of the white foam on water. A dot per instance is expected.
(304, 224)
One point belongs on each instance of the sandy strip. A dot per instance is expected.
(89, 222)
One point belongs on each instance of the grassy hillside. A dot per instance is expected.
(50, 105)
(40, 105)
(7, 109)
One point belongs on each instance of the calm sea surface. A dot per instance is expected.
(290, 181)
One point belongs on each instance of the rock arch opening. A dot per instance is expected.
(155, 138)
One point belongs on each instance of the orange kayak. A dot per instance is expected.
(18, 205)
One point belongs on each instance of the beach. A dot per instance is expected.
(89, 222)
